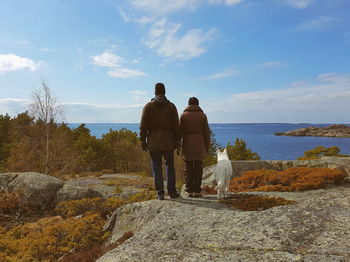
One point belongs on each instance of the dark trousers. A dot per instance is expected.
(193, 176)
(156, 157)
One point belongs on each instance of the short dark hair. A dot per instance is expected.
(193, 101)
(159, 89)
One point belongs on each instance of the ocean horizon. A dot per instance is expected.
(260, 137)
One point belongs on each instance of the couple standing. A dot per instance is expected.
(161, 133)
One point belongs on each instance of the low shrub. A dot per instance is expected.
(250, 202)
(10, 203)
(95, 205)
(292, 179)
(321, 151)
(93, 253)
(98, 205)
(50, 238)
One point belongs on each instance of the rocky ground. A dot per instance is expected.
(316, 228)
(329, 131)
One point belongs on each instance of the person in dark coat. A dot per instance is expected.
(195, 134)
(160, 135)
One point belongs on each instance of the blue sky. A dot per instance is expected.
(246, 60)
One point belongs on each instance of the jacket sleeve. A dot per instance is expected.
(206, 133)
(144, 125)
(176, 128)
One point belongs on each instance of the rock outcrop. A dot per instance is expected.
(329, 131)
(316, 228)
(42, 191)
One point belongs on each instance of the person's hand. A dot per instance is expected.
(144, 146)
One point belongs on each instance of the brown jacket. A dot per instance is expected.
(195, 133)
(160, 125)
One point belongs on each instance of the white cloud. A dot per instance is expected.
(225, 2)
(323, 101)
(298, 3)
(11, 62)
(130, 18)
(13, 106)
(164, 37)
(320, 23)
(163, 7)
(138, 92)
(46, 49)
(115, 65)
(125, 73)
(270, 64)
(107, 60)
(219, 75)
(108, 113)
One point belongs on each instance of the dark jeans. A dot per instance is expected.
(193, 176)
(156, 157)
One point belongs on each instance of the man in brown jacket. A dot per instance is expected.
(195, 133)
(159, 134)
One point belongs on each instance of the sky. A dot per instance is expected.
(247, 61)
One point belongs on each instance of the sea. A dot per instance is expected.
(260, 137)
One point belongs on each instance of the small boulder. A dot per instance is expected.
(69, 192)
(38, 190)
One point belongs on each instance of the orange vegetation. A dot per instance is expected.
(249, 202)
(93, 253)
(50, 238)
(75, 234)
(209, 190)
(10, 203)
(97, 205)
(292, 179)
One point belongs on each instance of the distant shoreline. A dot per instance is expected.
(338, 131)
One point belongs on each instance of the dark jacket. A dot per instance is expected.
(160, 125)
(195, 133)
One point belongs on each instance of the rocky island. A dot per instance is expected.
(328, 131)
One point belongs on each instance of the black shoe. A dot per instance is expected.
(161, 197)
(174, 195)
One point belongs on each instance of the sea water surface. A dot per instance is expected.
(260, 137)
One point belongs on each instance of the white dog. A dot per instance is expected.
(223, 173)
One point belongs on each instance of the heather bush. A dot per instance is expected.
(249, 202)
(98, 205)
(292, 179)
(50, 238)
(93, 253)
(10, 203)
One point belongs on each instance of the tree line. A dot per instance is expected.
(24, 142)
(35, 141)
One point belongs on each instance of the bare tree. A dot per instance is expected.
(45, 107)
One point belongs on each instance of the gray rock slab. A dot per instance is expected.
(111, 176)
(316, 228)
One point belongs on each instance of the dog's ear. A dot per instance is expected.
(225, 151)
(218, 151)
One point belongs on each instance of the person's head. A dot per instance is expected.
(193, 101)
(159, 89)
